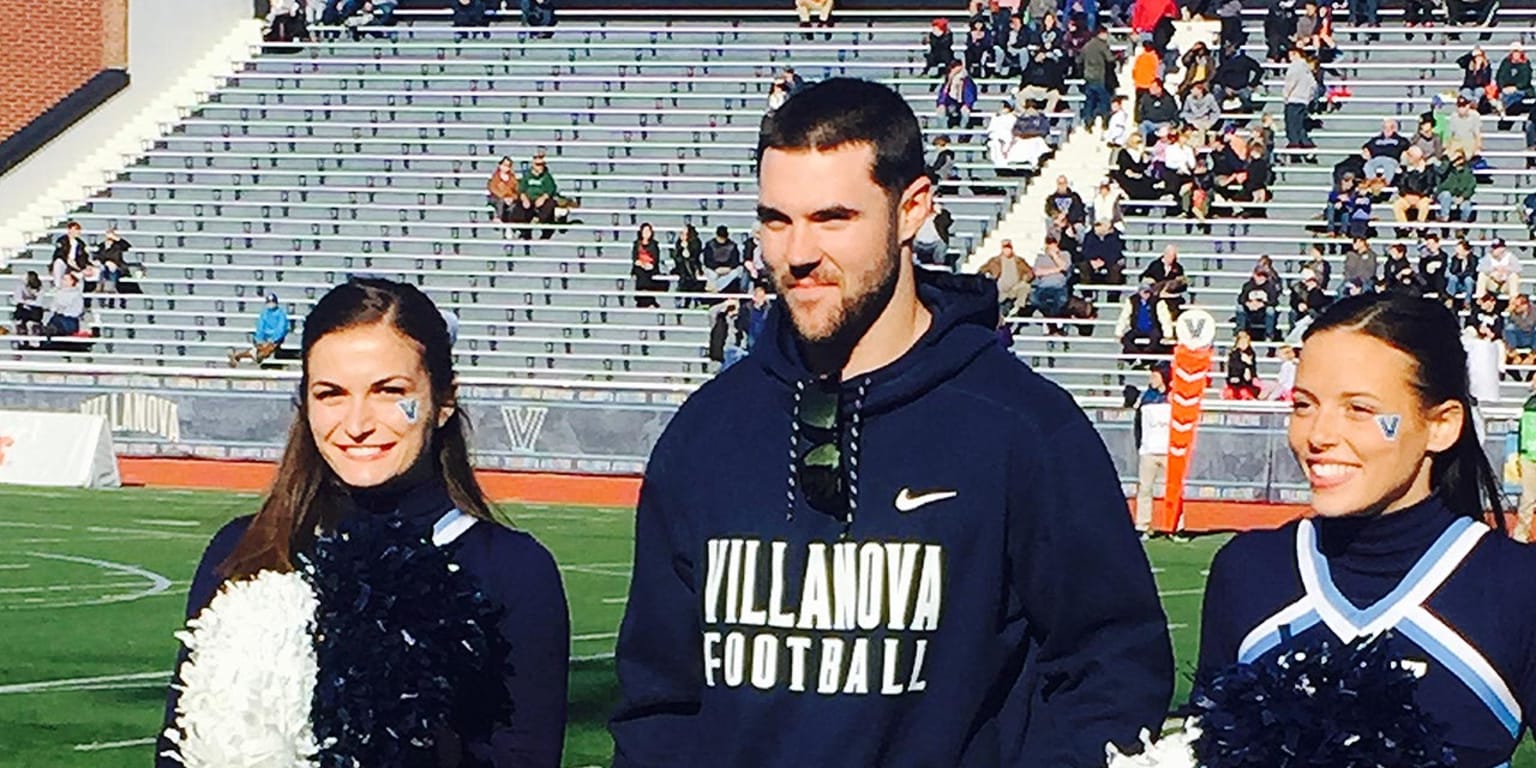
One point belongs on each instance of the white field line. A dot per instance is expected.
(171, 523)
(1181, 592)
(615, 600)
(97, 746)
(157, 584)
(14, 566)
(102, 586)
(66, 683)
(594, 636)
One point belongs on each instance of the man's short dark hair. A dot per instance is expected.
(841, 111)
(71, 224)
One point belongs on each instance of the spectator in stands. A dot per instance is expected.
(1139, 327)
(1464, 130)
(645, 266)
(1014, 278)
(1012, 50)
(1030, 137)
(931, 246)
(1151, 433)
(1499, 271)
(27, 305)
(1418, 13)
(1460, 274)
(504, 195)
(1416, 183)
(1001, 141)
(1385, 151)
(1513, 78)
(468, 13)
(1049, 291)
(1361, 264)
(1179, 162)
(940, 162)
(1258, 306)
(980, 51)
(1300, 89)
(70, 248)
(271, 329)
(1166, 268)
(1155, 18)
(1236, 78)
(1432, 265)
(1118, 130)
(1199, 68)
(1341, 200)
(1248, 181)
(1486, 319)
(722, 259)
(67, 308)
(688, 264)
(1133, 171)
(1066, 200)
(1195, 194)
(1314, 260)
(1064, 233)
(1045, 77)
(286, 23)
(1242, 370)
(1106, 206)
(1097, 62)
(1279, 28)
(1146, 67)
(1156, 109)
(538, 13)
(1200, 108)
(539, 195)
(1457, 186)
(1308, 300)
(1476, 79)
(1399, 272)
(791, 80)
(1103, 256)
(752, 317)
(821, 9)
(941, 47)
(1365, 13)
(1520, 332)
(371, 13)
(957, 96)
(778, 93)
(1427, 141)
(1284, 385)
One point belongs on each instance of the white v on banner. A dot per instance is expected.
(59, 449)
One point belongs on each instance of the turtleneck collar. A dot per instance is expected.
(1383, 544)
(418, 494)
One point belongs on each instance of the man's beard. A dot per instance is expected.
(855, 314)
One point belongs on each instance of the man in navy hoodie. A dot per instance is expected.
(919, 554)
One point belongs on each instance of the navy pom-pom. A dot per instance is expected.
(1325, 705)
(410, 662)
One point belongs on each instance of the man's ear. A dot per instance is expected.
(914, 208)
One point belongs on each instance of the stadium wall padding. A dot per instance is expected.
(1239, 457)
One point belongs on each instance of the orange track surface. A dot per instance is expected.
(597, 491)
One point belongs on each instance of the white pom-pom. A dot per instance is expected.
(249, 676)
(1174, 750)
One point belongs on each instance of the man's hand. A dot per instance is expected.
(524, 198)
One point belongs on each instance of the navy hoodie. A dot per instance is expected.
(1328, 578)
(988, 605)
(514, 571)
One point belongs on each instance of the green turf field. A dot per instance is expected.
(92, 586)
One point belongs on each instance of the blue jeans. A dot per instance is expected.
(1266, 319)
(1386, 165)
(1364, 12)
(1511, 98)
(1244, 95)
(1514, 338)
(1095, 103)
(1460, 286)
(1463, 209)
(1050, 299)
(1296, 133)
(1337, 218)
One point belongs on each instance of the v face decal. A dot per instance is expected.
(907, 501)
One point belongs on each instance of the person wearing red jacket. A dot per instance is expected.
(1155, 18)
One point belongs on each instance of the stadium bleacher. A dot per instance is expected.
(370, 157)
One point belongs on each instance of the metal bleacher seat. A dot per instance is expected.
(1390, 77)
(371, 156)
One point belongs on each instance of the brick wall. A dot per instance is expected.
(53, 50)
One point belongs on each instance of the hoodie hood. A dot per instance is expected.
(965, 318)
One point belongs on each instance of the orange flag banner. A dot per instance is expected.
(1191, 374)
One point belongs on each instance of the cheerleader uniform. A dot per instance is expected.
(1452, 590)
(513, 570)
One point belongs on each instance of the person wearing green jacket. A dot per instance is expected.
(1513, 77)
(1527, 451)
(539, 194)
(1457, 186)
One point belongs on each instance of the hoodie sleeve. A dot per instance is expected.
(1102, 666)
(658, 656)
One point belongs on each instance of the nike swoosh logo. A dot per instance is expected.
(907, 501)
